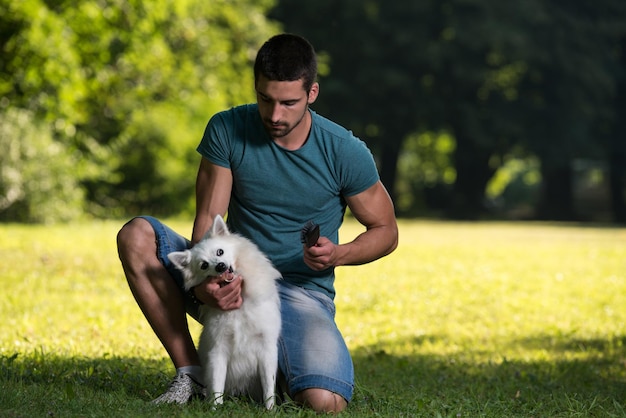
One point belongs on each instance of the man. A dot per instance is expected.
(271, 166)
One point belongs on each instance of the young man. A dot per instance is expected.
(272, 166)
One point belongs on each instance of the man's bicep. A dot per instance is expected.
(373, 206)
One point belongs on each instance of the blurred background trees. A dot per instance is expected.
(473, 108)
(125, 87)
(536, 81)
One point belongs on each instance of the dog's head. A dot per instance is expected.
(212, 256)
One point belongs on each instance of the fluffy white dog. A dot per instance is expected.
(238, 348)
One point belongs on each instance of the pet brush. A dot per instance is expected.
(310, 233)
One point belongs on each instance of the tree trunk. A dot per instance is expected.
(472, 174)
(617, 185)
(617, 153)
(388, 167)
(557, 199)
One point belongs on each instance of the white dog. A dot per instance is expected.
(238, 348)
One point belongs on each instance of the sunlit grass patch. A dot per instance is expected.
(463, 319)
(496, 315)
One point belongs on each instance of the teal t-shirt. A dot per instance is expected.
(276, 191)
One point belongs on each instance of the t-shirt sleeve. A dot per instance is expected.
(358, 171)
(215, 145)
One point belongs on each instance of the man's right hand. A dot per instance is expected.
(221, 292)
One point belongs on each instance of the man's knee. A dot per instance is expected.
(135, 232)
(136, 247)
(321, 400)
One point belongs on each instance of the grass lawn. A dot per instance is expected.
(463, 320)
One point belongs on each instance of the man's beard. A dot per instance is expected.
(281, 130)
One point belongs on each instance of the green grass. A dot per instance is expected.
(463, 320)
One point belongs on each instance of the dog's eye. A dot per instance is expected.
(220, 252)
(204, 265)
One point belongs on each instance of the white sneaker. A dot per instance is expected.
(182, 389)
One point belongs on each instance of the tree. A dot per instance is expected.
(569, 92)
(39, 177)
(163, 68)
(400, 67)
(129, 85)
(522, 79)
(617, 137)
(476, 75)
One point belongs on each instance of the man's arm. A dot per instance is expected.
(213, 187)
(374, 209)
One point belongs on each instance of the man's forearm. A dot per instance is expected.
(369, 246)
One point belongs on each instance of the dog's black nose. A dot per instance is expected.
(221, 267)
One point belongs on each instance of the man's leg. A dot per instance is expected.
(155, 291)
(161, 301)
(313, 357)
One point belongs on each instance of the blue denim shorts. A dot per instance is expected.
(312, 352)
(311, 356)
(168, 241)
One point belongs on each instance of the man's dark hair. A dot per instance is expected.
(287, 57)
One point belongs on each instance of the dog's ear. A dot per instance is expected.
(219, 227)
(180, 259)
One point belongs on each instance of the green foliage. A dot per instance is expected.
(425, 171)
(39, 177)
(157, 164)
(464, 319)
(514, 189)
(129, 84)
(141, 79)
(40, 68)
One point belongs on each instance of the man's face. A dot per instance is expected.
(283, 105)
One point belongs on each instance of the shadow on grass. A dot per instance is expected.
(588, 379)
(135, 376)
(44, 385)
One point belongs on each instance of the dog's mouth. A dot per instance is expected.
(227, 276)
(230, 271)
